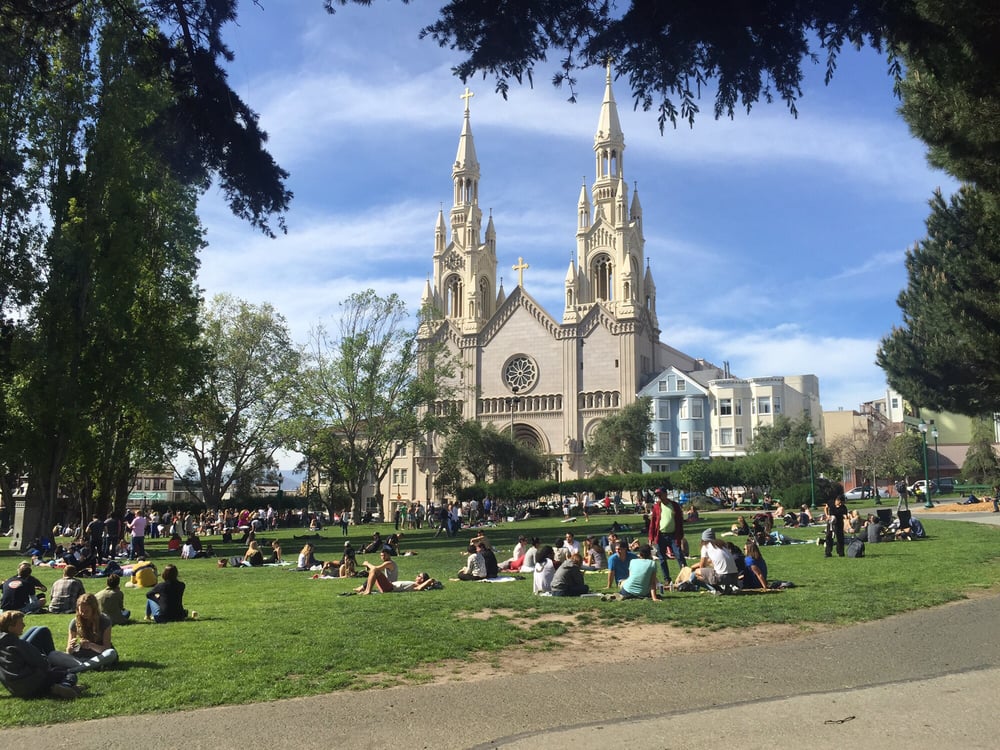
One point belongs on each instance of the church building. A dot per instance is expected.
(549, 377)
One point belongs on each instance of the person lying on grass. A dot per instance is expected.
(421, 583)
(381, 576)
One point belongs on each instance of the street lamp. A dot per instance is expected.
(810, 441)
(937, 458)
(512, 402)
(928, 503)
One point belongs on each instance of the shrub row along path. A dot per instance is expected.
(926, 679)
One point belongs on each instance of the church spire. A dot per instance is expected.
(609, 128)
(465, 213)
(609, 146)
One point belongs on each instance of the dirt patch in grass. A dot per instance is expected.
(580, 646)
(955, 508)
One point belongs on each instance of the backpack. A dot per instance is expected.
(856, 548)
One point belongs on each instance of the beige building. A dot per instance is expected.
(549, 378)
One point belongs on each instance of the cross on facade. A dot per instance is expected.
(467, 95)
(521, 267)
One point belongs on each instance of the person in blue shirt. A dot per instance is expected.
(755, 576)
(618, 564)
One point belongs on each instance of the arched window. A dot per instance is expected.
(453, 297)
(603, 274)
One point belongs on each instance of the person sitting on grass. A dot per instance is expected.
(253, 558)
(716, 568)
(641, 581)
(516, 559)
(374, 545)
(618, 564)
(307, 560)
(381, 576)
(276, 558)
(348, 564)
(568, 578)
(165, 601)
(755, 575)
(65, 592)
(544, 570)
(595, 558)
(111, 600)
(25, 669)
(475, 566)
(19, 592)
(489, 559)
(89, 638)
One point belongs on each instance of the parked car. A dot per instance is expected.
(919, 485)
(860, 493)
(945, 485)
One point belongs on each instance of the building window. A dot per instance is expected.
(662, 385)
(685, 443)
(603, 274)
(725, 407)
(665, 409)
(739, 436)
(698, 442)
(697, 409)
(399, 476)
(777, 404)
(726, 436)
(682, 411)
(895, 403)
(520, 373)
(664, 444)
(739, 407)
(764, 405)
(681, 384)
(454, 291)
(400, 449)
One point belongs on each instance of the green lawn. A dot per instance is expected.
(271, 633)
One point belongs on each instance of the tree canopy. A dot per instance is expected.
(943, 357)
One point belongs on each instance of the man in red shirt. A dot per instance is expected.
(666, 530)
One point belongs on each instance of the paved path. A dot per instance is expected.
(926, 679)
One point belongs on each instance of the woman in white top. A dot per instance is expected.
(544, 570)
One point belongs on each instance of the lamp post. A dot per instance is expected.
(928, 503)
(512, 402)
(810, 441)
(937, 459)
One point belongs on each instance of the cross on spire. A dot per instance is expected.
(521, 267)
(467, 96)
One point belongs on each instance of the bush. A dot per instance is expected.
(800, 494)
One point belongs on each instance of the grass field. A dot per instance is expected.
(270, 633)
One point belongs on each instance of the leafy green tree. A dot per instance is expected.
(981, 462)
(366, 387)
(943, 355)
(241, 413)
(207, 131)
(905, 456)
(617, 444)
(668, 51)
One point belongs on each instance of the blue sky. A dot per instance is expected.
(777, 244)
